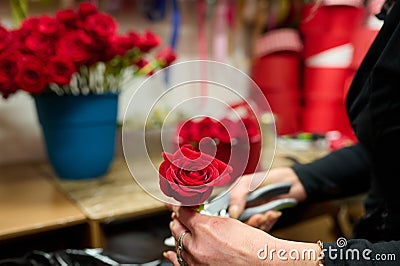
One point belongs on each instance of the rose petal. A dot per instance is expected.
(190, 175)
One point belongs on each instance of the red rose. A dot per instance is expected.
(166, 56)
(142, 62)
(30, 24)
(148, 41)
(8, 70)
(196, 130)
(60, 70)
(205, 128)
(121, 45)
(188, 132)
(249, 121)
(87, 9)
(136, 39)
(223, 130)
(209, 127)
(76, 46)
(101, 26)
(31, 76)
(4, 38)
(246, 129)
(49, 26)
(69, 18)
(252, 129)
(40, 45)
(17, 38)
(190, 176)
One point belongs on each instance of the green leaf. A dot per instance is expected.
(19, 11)
(200, 208)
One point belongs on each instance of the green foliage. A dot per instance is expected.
(19, 11)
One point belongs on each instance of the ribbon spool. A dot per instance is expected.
(276, 71)
(327, 32)
(322, 117)
(287, 112)
(328, 26)
(325, 84)
(362, 40)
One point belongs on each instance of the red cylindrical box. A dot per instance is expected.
(323, 28)
(324, 116)
(276, 71)
(325, 83)
(332, 18)
(362, 40)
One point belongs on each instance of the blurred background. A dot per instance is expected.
(301, 57)
(302, 54)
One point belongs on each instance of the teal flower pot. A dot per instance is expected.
(79, 133)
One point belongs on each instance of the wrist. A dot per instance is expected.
(300, 253)
(280, 174)
(287, 174)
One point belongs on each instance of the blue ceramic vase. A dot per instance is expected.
(79, 133)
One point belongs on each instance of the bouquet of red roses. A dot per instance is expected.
(74, 52)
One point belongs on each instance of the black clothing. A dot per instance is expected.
(342, 173)
(373, 105)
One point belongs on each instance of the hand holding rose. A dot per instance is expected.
(213, 240)
(210, 240)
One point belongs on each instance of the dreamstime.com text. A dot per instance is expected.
(340, 253)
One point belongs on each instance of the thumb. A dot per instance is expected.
(264, 221)
(171, 256)
(237, 202)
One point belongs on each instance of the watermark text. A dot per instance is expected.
(340, 253)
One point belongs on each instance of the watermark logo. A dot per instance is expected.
(340, 252)
(165, 110)
(341, 242)
(293, 254)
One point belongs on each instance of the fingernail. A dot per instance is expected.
(170, 224)
(277, 214)
(234, 211)
(173, 215)
(263, 218)
(165, 255)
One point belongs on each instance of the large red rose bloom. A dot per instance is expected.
(189, 176)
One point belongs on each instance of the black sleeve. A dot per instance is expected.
(341, 173)
(361, 252)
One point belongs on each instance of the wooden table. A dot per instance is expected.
(114, 196)
(34, 214)
(117, 196)
(33, 200)
(30, 204)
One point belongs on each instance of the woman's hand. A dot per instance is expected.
(215, 240)
(267, 220)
